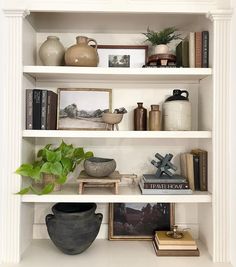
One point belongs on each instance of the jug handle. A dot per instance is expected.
(99, 216)
(92, 40)
(49, 217)
(186, 92)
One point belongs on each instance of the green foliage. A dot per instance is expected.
(59, 161)
(162, 37)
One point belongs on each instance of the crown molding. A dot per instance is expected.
(16, 12)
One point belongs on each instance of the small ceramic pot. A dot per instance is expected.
(99, 167)
(161, 49)
(112, 119)
(73, 226)
(52, 52)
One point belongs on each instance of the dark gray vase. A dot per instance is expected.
(73, 226)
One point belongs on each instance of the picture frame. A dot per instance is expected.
(133, 221)
(122, 56)
(92, 102)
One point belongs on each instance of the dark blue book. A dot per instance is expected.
(37, 105)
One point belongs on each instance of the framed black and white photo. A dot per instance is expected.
(139, 221)
(122, 56)
(81, 109)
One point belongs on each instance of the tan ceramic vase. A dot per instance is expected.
(82, 54)
(154, 118)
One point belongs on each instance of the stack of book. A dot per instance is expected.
(151, 185)
(194, 167)
(41, 109)
(193, 51)
(168, 246)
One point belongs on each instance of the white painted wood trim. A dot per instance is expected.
(220, 135)
(11, 149)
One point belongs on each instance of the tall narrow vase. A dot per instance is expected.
(140, 118)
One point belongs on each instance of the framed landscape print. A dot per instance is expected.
(139, 221)
(122, 56)
(81, 109)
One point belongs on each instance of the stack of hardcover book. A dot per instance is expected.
(41, 109)
(194, 167)
(193, 51)
(151, 185)
(168, 246)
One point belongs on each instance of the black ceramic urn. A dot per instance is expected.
(73, 226)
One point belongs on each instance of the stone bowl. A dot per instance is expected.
(99, 167)
(112, 118)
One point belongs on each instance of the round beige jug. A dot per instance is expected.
(82, 54)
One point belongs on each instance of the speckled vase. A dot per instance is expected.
(73, 226)
(52, 52)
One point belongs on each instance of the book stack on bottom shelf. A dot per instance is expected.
(168, 246)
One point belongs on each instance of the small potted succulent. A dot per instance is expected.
(52, 168)
(159, 40)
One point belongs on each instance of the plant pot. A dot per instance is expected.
(99, 167)
(161, 49)
(50, 179)
(73, 226)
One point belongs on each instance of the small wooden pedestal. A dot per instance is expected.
(88, 181)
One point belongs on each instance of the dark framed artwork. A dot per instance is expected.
(139, 221)
(122, 56)
(82, 108)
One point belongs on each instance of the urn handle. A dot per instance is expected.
(99, 216)
(185, 92)
(49, 217)
(93, 40)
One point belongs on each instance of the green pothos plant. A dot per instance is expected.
(58, 161)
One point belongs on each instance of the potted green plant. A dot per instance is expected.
(52, 167)
(159, 40)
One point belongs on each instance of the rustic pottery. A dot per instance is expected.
(111, 120)
(99, 167)
(154, 118)
(52, 52)
(73, 226)
(82, 54)
(161, 49)
(140, 118)
(177, 112)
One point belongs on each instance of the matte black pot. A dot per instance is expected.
(74, 226)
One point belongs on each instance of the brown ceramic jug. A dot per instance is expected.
(82, 54)
(154, 118)
(140, 118)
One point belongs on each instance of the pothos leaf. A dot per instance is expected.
(56, 168)
(23, 191)
(47, 189)
(61, 179)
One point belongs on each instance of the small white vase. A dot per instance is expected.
(161, 49)
(52, 52)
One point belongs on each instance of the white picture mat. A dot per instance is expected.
(137, 56)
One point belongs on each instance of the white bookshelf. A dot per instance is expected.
(208, 212)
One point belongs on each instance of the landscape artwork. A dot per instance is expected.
(82, 109)
(131, 221)
(119, 61)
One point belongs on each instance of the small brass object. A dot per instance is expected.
(174, 233)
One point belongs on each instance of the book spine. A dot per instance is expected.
(171, 186)
(52, 111)
(37, 101)
(185, 53)
(179, 62)
(198, 49)
(164, 181)
(164, 191)
(192, 50)
(204, 171)
(196, 172)
(29, 109)
(205, 49)
(44, 110)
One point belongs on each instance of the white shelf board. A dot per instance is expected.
(118, 74)
(105, 195)
(104, 253)
(116, 134)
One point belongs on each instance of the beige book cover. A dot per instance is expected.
(163, 239)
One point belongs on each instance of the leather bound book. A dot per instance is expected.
(37, 102)
(205, 49)
(196, 172)
(44, 110)
(29, 109)
(198, 49)
(52, 111)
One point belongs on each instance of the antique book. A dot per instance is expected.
(163, 239)
(170, 253)
(151, 178)
(175, 247)
(51, 111)
(44, 110)
(165, 185)
(203, 168)
(29, 109)
(205, 49)
(182, 53)
(183, 165)
(190, 170)
(179, 57)
(192, 49)
(196, 172)
(37, 101)
(164, 191)
(198, 49)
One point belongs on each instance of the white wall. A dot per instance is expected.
(233, 139)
